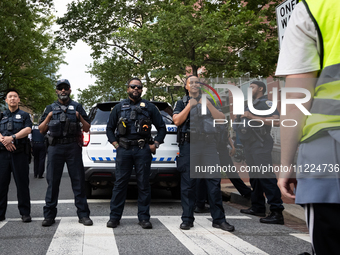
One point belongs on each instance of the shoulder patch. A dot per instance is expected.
(269, 103)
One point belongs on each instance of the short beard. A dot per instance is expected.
(64, 97)
(133, 96)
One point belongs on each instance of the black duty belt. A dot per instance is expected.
(125, 143)
(37, 142)
(185, 137)
(66, 140)
(135, 142)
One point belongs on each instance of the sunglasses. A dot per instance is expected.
(136, 86)
(65, 88)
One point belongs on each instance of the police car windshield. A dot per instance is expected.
(99, 115)
(166, 117)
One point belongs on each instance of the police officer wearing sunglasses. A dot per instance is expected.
(129, 131)
(64, 119)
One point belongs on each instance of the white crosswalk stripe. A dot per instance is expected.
(304, 237)
(3, 223)
(204, 239)
(97, 238)
(73, 238)
(69, 237)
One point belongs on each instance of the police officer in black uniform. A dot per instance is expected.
(15, 125)
(129, 131)
(198, 144)
(223, 140)
(258, 145)
(64, 120)
(39, 152)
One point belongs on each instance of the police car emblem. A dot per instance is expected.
(269, 103)
(71, 107)
(18, 116)
(142, 104)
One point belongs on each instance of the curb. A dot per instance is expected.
(291, 210)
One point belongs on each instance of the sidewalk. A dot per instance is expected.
(230, 193)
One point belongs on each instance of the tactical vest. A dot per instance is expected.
(201, 124)
(64, 121)
(326, 102)
(12, 125)
(185, 127)
(248, 133)
(134, 119)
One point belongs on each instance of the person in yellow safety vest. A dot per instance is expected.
(309, 58)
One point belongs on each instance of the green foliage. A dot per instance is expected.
(225, 37)
(28, 59)
(160, 41)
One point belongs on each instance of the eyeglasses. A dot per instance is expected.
(136, 86)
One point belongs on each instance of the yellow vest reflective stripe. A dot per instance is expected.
(326, 103)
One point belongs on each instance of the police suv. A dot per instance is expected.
(99, 155)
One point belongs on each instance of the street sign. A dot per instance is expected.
(283, 13)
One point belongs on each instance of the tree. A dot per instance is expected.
(28, 58)
(109, 27)
(227, 38)
(159, 40)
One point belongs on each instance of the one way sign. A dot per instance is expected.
(283, 13)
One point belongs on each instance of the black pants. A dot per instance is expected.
(39, 154)
(125, 160)
(18, 164)
(201, 193)
(324, 227)
(266, 184)
(188, 185)
(58, 155)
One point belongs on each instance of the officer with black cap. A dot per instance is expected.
(197, 146)
(64, 119)
(129, 131)
(258, 145)
(15, 126)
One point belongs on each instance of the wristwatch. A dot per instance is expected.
(14, 137)
(156, 145)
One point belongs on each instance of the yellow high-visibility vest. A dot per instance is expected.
(326, 102)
